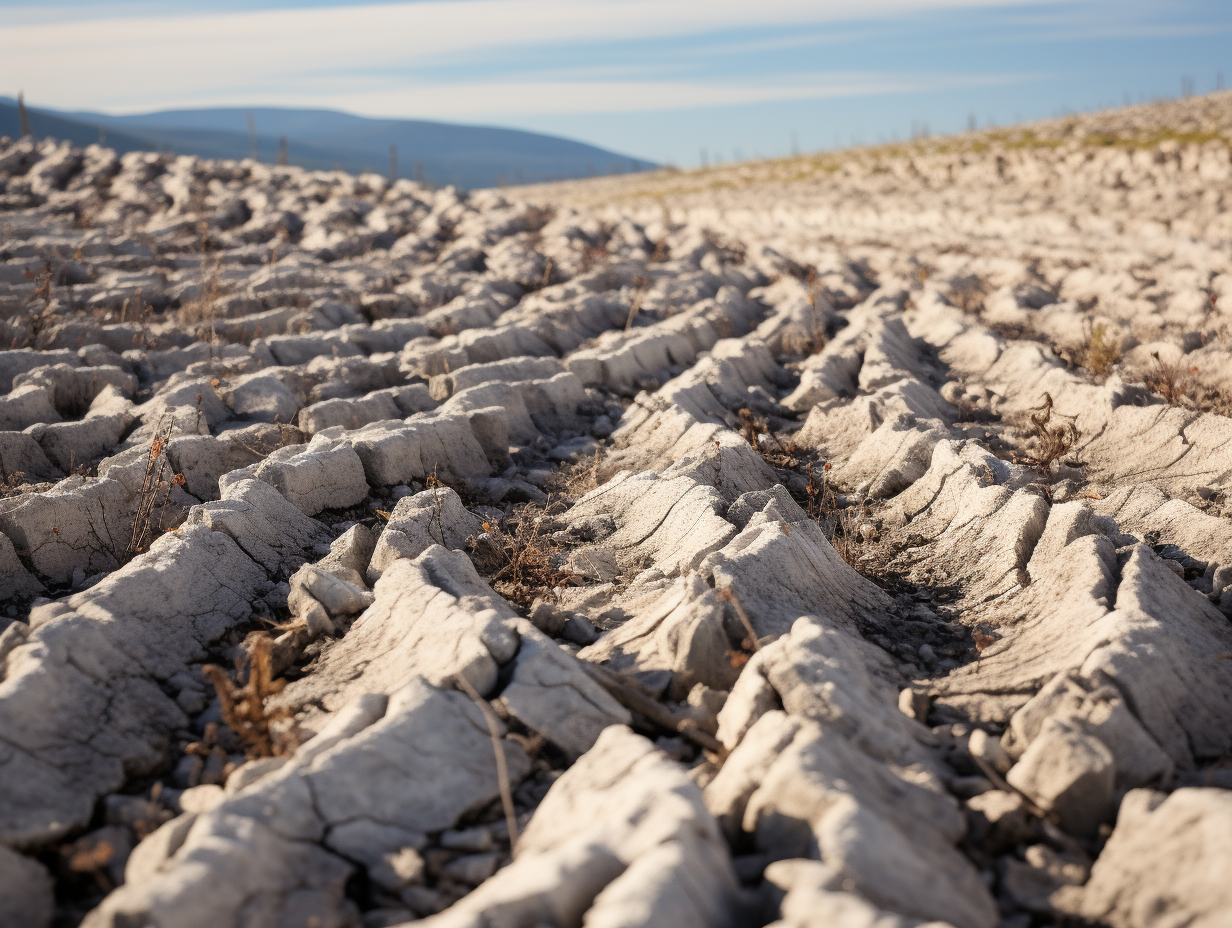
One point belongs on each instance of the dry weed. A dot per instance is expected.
(1099, 354)
(243, 707)
(967, 293)
(13, 484)
(518, 563)
(1055, 438)
(1171, 381)
(758, 434)
(154, 493)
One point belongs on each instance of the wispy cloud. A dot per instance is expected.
(79, 58)
(537, 98)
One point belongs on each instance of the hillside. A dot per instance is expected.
(437, 153)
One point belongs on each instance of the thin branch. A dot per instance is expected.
(502, 771)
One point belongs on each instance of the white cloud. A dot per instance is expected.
(294, 57)
(504, 99)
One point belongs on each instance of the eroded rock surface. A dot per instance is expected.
(704, 549)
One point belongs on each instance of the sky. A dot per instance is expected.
(672, 81)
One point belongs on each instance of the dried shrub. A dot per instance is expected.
(13, 484)
(42, 282)
(1171, 381)
(839, 523)
(758, 434)
(243, 707)
(516, 556)
(155, 491)
(1055, 435)
(593, 255)
(205, 307)
(1099, 354)
(967, 293)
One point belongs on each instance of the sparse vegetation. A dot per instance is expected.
(1099, 353)
(516, 555)
(1171, 381)
(155, 492)
(1053, 438)
(244, 708)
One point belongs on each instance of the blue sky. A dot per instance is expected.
(660, 79)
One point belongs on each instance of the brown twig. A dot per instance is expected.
(243, 707)
(730, 596)
(637, 701)
(502, 771)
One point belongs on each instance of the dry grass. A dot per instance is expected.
(1171, 381)
(204, 308)
(758, 434)
(1055, 435)
(155, 491)
(968, 293)
(13, 484)
(822, 506)
(516, 555)
(1099, 354)
(243, 707)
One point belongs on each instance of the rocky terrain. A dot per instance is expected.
(837, 541)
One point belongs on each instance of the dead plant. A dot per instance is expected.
(640, 285)
(593, 255)
(12, 484)
(155, 491)
(812, 343)
(729, 595)
(1171, 381)
(243, 707)
(837, 522)
(1055, 438)
(204, 309)
(502, 770)
(518, 563)
(967, 293)
(1099, 354)
(758, 434)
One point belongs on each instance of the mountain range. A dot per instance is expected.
(436, 152)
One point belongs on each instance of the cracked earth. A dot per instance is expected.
(838, 541)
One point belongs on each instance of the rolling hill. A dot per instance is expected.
(439, 153)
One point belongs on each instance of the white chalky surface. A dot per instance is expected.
(730, 491)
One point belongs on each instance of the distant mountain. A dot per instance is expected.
(439, 153)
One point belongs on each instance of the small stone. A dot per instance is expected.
(602, 427)
(914, 703)
(386, 917)
(676, 748)
(1035, 882)
(400, 491)
(247, 774)
(984, 747)
(193, 702)
(579, 630)
(187, 772)
(1068, 772)
(424, 901)
(472, 869)
(999, 820)
(394, 872)
(318, 621)
(198, 800)
(471, 840)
